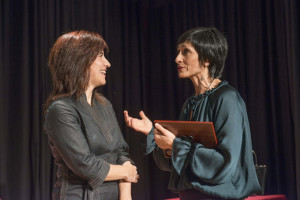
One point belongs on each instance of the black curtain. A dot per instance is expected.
(263, 64)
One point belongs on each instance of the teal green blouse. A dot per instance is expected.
(228, 170)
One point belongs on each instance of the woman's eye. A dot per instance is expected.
(100, 54)
(185, 51)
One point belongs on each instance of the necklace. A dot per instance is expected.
(207, 88)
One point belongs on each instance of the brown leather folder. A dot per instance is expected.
(201, 132)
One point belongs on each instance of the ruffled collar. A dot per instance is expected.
(208, 92)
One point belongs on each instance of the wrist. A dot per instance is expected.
(117, 172)
(125, 190)
(171, 143)
(149, 130)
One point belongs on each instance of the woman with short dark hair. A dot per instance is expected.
(227, 171)
(90, 152)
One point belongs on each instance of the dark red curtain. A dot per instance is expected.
(263, 64)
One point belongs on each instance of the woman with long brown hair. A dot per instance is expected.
(87, 144)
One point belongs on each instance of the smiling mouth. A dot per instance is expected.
(104, 72)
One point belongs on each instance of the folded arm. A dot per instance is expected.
(65, 134)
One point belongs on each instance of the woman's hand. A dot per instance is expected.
(163, 138)
(143, 125)
(126, 172)
(132, 175)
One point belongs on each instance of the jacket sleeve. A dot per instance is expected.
(123, 153)
(123, 148)
(215, 165)
(62, 125)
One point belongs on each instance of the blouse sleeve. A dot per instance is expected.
(215, 165)
(64, 132)
(150, 142)
(162, 162)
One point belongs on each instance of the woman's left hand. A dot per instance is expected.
(163, 138)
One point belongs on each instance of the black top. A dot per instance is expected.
(84, 140)
(226, 171)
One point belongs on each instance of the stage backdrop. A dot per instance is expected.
(263, 64)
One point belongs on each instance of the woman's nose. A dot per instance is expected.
(107, 63)
(178, 58)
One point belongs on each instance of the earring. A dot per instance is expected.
(201, 78)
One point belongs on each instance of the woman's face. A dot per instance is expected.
(98, 71)
(187, 60)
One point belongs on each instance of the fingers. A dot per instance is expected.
(142, 115)
(163, 138)
(137, 178)
(126, 116)
(127, 119)
(156, 132)
(159, 128)
(157, 136)
(133, 175)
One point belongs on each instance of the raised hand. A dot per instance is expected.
(163, 138)
(143, 125)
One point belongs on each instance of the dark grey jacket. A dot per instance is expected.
(84, 140)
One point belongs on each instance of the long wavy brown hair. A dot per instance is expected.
(69, 62)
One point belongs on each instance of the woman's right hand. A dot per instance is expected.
(143, 125)
(132, 175)
(126, 172)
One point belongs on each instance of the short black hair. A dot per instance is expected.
(211, 46)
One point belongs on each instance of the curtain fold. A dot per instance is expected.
(263, 64)
(294, 70)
